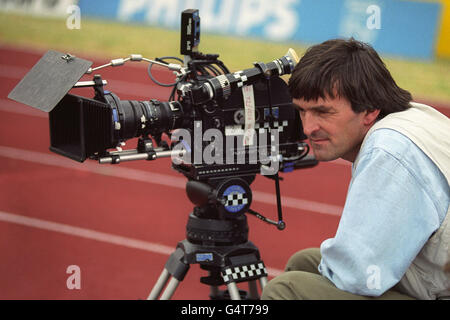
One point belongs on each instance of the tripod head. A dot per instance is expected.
(229, 198)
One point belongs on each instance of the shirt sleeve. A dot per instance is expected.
(387, 218)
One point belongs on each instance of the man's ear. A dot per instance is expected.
(371, 116)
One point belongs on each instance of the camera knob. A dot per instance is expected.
(217, 123)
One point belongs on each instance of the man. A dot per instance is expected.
(393, 238)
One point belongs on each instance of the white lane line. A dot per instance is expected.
(85, 233)
(13, 72)
(296, 203)
(95, 235)
(93, 167)
(19, 108)
(157, 178)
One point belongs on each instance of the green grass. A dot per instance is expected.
(107, 40)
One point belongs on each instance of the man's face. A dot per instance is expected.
(333, 128)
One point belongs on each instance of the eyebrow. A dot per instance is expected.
(319, 107)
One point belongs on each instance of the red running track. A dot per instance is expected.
(119, 224)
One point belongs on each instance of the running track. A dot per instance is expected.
(119, 224)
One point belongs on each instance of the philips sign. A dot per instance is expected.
(405, 28)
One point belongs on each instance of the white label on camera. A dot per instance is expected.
(235, 130)
(249, 105)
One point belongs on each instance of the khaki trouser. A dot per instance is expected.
(302, 281)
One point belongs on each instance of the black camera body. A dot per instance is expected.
(226, 130)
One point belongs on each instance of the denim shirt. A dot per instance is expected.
(396, 199)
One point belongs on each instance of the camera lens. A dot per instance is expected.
(135, 118)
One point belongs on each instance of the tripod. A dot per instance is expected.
(219, 246)
(227, 263)
(217, 236)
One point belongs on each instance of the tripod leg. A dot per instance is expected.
(170, 290)
(174, 267)
(214, 292)
(253, 290)
(159, 285)
(233, 291)
(263, 281)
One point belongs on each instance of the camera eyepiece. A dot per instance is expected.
(223, 85)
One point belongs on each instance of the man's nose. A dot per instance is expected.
(310, 125)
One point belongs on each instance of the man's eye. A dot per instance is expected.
(321, 111)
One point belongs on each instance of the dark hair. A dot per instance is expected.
(351, 69)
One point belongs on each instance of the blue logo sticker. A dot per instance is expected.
(236, 198)
(204, 257)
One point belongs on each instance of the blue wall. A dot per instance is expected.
(396, 27)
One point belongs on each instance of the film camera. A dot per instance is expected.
(224, 128)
